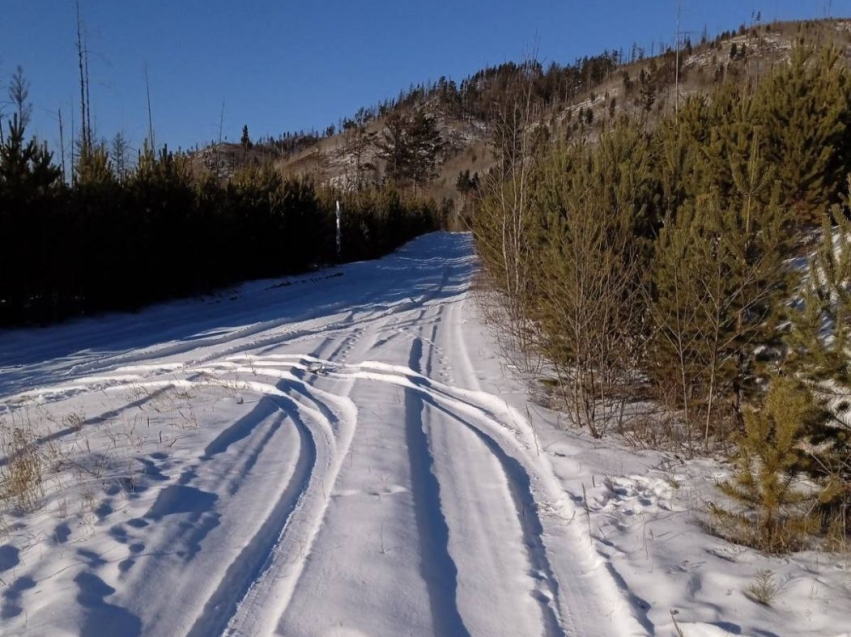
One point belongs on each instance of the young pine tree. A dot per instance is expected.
(769, 464)
(717, 280)
(590, 214)
(819, 356)
(821, 328)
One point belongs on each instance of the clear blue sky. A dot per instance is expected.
(284, 65)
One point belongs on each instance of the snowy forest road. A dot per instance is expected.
(309, 459)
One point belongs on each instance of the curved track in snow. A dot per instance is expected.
(343, 475)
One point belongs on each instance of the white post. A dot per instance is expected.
(339, 235)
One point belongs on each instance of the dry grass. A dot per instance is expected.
(22, 478)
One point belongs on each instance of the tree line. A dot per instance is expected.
(117, 238)
(656, 266)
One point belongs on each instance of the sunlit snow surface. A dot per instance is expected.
(349, 455)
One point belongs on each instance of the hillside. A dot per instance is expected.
(579, 98)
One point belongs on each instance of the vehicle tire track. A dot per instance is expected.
(520, 488)
(251, 563)
(436, 564)
(516, 478)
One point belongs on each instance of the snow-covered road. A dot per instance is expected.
(315, 458)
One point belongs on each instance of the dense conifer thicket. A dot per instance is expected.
(118, 239)
(656, 264)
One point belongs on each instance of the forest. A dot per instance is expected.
(698, 261)
(118, 239)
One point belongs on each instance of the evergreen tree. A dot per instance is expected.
(821, 328)
(803, 109)
(769, 463)
(19, 92)
(426, 145)
(29, 184)
(393, 146)
(245, 140)
(718, 278)
(463, 183)
(25, 167)
(586, 262)
(679, 145)
(646, 90)
(732, 139)
(358, 141)
(819, 357)
(409, 145)
(94, 165)
(120, 152)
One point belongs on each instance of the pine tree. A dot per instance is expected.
(732, 140)
(803, 111)
(120, 152)
(821, 328)
(819, 357)
(718, 278)
(769, 462)
(591, 212)
(647, 90)
(26, 168)
(358, 140)
(409, 145)
(245, 140)
(426, 144)
(679, 146)
(463, 183)
(94, 165)
(393, 146)
(19, 92)
(29, 182)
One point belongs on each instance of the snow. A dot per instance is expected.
(346, 455)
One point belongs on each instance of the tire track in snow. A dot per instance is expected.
(277, 581)
(279, 332)
(436, 564)
(520, 487)
(298, 512)
(197, 497)
(509, 429)
(257, 556)
(516, 478)
(291, 333)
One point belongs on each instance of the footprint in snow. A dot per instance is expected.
(101, 617)
(11, 606)
(137, 523)
(104, 510)
(9, 557)
(92, 559)
(119, 534)
(61, 533)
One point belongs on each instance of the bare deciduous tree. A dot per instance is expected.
(19, 93)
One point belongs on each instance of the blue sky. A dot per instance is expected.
(285, 65)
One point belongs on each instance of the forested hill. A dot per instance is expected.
(580, 98)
